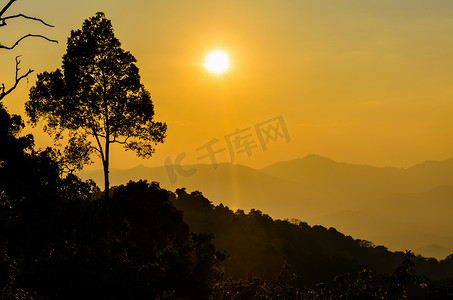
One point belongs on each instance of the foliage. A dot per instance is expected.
(98, 94)
(59, 239)
(62, 241)
(256, 244)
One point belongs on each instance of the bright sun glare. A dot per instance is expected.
(217, 61)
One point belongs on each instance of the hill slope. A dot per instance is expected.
(400, 208)
(257, 244)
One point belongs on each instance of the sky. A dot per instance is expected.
(368, 82)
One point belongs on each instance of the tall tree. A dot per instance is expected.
(98, 94)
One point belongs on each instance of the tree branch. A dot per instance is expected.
(3, 20)
(96, 149)
(24, 37)
(18, 78)
(66, 168)
(94, 132)
(4, 9)
(101, 151)
(3, 91)
(120, 142)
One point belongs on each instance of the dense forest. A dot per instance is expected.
(256, 244)
(61, 239)
(64, 238)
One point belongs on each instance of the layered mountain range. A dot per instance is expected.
(402, 209)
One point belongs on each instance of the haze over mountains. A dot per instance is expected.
(398, 208)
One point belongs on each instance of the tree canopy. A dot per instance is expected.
(98, 94)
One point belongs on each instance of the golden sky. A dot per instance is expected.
(358, 81)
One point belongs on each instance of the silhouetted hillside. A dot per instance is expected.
(400, 208)
(257, 244)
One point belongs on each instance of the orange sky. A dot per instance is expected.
(358, 81)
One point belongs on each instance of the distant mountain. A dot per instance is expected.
(435, 250)
(400, 208)
(403, 221)
(236, 186)
(354, 186)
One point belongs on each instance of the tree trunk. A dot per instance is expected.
(107, 141)
(106, 171)
(106, 181)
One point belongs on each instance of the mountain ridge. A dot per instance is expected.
(319, 190)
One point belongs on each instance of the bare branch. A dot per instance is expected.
(26, 36)
(4, 9)
(95, 149)
(120, 142)
(3, 91)
(3, 20)
(101, 151)
(17, 78)
(95, 133)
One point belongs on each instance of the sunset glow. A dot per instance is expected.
(203, 149)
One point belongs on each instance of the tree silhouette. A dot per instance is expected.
(99, 94)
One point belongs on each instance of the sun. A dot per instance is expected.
(217, 61)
